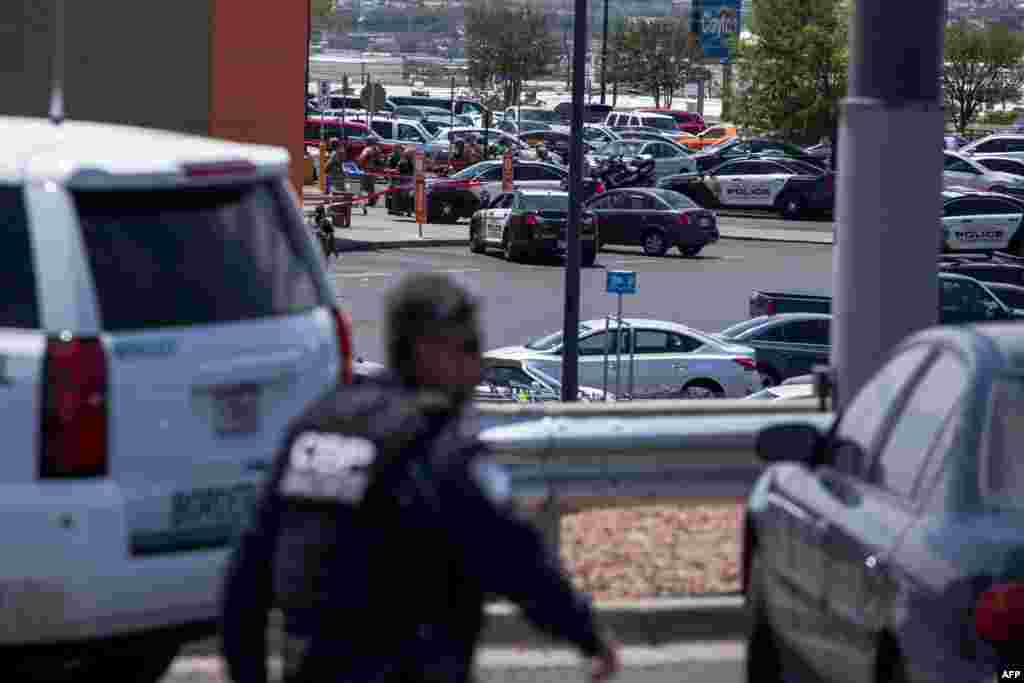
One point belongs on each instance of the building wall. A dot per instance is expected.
(258, 71)
(226, 68)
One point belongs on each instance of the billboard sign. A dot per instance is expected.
(718, 23)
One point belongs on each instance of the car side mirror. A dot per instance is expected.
(789, 443)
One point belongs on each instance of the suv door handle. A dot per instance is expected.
(679, 366)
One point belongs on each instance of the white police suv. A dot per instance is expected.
(164, 314)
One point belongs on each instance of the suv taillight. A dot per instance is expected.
(343, 330)
(599, 189)
(683, 218)
(746, 363)
(73, 439)
(999, 614)
(531, 219)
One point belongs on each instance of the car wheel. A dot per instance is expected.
(769, 376)
(447, 212)
(145, 660)
(689, 252)
(588, 256)
(476, 240)
(792, 207)
(764, 656)
(701, 389)
(511, 252)
(654, 243)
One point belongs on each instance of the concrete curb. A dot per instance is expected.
(653, 621)
(345, 244)
(639, 622)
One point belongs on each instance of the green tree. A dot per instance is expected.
(793, 70)
(324, 15)
(978, 63)
(658, 55)
(514, 41)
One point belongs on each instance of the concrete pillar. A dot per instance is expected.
(888, 204)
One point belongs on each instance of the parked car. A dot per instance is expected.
(690, 122)
(530, 222)
(669, 158)
(1006, 145)
(592, 113)
(638, 133)
(712, 136)
(789, 186)
(521, 380)
(398, 131)
(666, 359)
(660, 122)
(989, 271)
(974, 221)
(960, 171)
(512, 128)
(1000, 164)
(462, 194)
(786, 345)
(653, 219)
(433, 123)
(555, 141)
(597, 134)
(440, 146)
(351, 133)
(548, 116)
(1011, 295)
(890, 548)
(165, 317)
(747, 148)
(961, 300)
(462, 106)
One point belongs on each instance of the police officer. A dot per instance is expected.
(384, 524)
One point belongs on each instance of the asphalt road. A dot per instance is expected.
(715, 662)
(523, 301)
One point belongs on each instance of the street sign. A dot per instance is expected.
(506, 172)
(621, 282)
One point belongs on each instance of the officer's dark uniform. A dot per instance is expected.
(403, 570)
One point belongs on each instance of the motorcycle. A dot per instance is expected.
(324, 229)
(616, 173)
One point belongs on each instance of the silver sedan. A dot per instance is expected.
(656, 359)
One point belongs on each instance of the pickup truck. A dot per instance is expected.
(962, 300)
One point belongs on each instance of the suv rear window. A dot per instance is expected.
(169, 258)
(18, 305)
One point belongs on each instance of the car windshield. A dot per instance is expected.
(552, 341)
(660, 123)
(739, 328)
(471, 172)
(675, 199)
(548, 116)
(621, 148)
(546, 202)
(1002, 471)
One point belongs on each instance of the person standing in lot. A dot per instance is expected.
(385, 524)
(368, 162)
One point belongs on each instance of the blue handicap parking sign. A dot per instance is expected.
(621, 282)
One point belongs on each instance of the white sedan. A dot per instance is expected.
(658, 359)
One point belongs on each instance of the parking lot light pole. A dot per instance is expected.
(888, 205)
(570, 330)
(604, 50)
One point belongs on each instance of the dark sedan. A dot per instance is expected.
(891, 548)
(745, 148)
(653, 219)
(787, 345)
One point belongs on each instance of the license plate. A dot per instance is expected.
(213, 507)
(236, 410)
(706, 222)
(561, 244)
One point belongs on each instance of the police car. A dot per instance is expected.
(530, 222)
(981, 221)
(164, 316)
(789, 186)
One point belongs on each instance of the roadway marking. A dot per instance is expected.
(516, 658)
